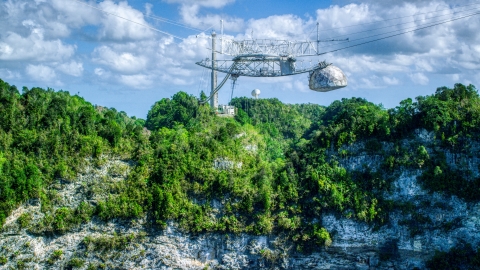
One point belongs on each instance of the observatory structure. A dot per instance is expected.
(270, 58)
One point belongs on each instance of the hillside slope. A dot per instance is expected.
(351, 185)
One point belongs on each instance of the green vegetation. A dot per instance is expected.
(24, 220)
(273, 168)
(106, 243)
(47, 135)
(56, 255)
(75, 263)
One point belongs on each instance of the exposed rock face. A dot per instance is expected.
(226, 164)
(406, 242)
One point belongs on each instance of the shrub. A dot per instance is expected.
(24, 220)
(76, 262)
(57, 254)
(322, 237)
(105, 243)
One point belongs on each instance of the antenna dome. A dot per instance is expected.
(327, 79)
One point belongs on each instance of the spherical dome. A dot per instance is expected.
(327, 79)
(256, 92)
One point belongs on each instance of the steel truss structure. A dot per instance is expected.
(270, 47)
(260, 58)
(261, 66)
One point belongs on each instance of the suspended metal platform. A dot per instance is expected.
(257, 65)
(269, 58)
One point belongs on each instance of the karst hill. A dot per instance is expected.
(291, 186)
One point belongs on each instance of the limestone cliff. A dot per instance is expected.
(428, 222)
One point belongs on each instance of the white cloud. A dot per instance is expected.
(203, 3)
(138, 81)
(300, 85)
(41, 73)
(276, 27)
(424, 65)
(455, 77)
(390, 81)
(102, 74)
(124, 62)
(119, 29)
(8, 74)
(99, 71)
(74, 14)
(14, 47)
(190, 16)
(174, 79)
(370, 82)
(148, 9)
(72, 68)
(150, 60)
(194, 47)
(341, 18)
(178, 71)
(419, 78)
(57, 29)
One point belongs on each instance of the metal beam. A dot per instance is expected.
(213, 93)
(260, 67)
(273, 47)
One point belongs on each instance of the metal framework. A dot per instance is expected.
(260, 58)
(261, 66)
(271, 47)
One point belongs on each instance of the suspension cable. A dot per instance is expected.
(116, 15)
(354, 25)
(402, 33)
(388, 26)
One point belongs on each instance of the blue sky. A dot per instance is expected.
(64, 44)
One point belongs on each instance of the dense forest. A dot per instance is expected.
(271, 166)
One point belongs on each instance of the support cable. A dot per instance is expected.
(353, 25)
(388, 26)
(166, 20)
(402, 33)
(394, 31)
(116, 15)
(220, 85)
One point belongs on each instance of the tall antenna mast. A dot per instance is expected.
(318, 38)
(221, 38)
(214, 100)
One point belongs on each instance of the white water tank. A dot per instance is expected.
(327, 79)
(256, 93)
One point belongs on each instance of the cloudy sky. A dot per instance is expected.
(84, 47)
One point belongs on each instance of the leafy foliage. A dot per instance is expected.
(46, 135)
(349, 120)
(272, 168)
(181, 109)
(106, 243)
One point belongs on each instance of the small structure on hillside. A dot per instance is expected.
(226, 110)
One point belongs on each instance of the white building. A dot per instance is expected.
(226, 110)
